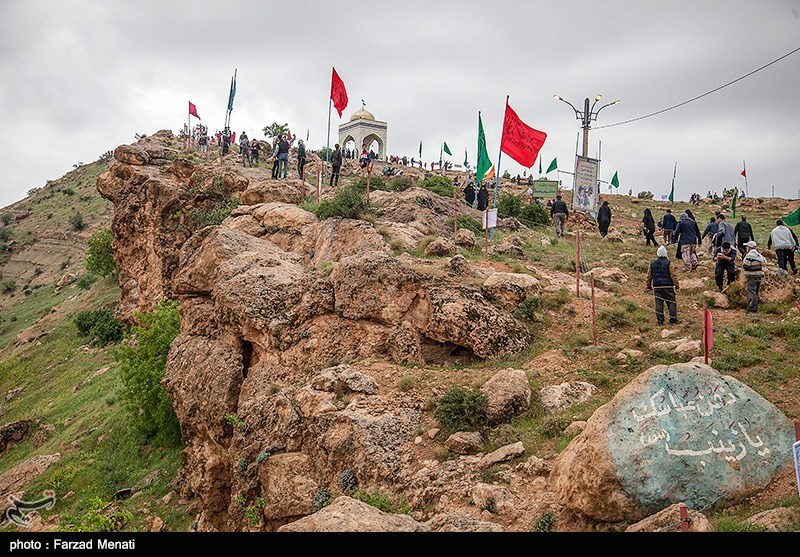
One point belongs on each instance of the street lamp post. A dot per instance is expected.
(586, 116)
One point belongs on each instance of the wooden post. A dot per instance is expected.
(705, 334)
(797, 431)
(455, 212)
(578, 264)
(319, 184)
(594, 314)
(369, 173)
(684, 518)
(486, 234)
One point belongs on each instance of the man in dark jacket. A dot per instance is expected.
(725, 256)
(663, 281)
(559, 213)
(668, 224)
(744, 233)
(469, 194)
(301, 159)
(710, 232)
(336, 165)
(604, 218)
(687, 234)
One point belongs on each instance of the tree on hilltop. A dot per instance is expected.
(276, 130)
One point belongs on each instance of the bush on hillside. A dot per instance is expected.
(461, 408)
(143, 363)
(76, 220)
(8, 286)
(645, 195)
(99, 256)
(534, 213)
(509, 205)
(7, 218)
(5, 234)
(438, 184)
(349, 203)
(221, 210)
(100, 325)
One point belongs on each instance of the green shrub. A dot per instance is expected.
(438, 184)
(534, 213)
(467, 222)
(376, 182)
(96, 518)
(143, 363)
(322, 498)
(348, 481)
(5, 234)
(461, 408)
(405, 383)
(399, 183)
(553, 426)
(99, 256)
(8, 286)
(509, 205)
(545, 522)
(100, 325)
(7, 218)
(221, 210)
(645, 195)
(527, 308)
(68, 191)
(86, 281)
(348, 204)
(382, 501)
(76, 220)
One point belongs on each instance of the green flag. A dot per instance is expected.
(793, 218)
(733, 203)
(447, 149)
(232, 93)
(672, 191)
(553, 166)
(615, 180)
(483, 155)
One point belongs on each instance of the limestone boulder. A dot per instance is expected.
(556, 398)
(496, 499)
(503, 454)
(669, 520)
(628, 354)
(287, 485)
(350, 515)
(12, 433)
(272, 191)
(14, 480)
(508, 394)
(459, 266)
(681, 432)
(510, 289)
(455, 521)
(465, 237)
(440, 247)
(716, 299)
(606, 276)
(464, 442)
(780, 519)
(343, 379)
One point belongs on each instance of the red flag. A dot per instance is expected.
(708, 332)
(338, 93)
(744, 172)
(193, 110)
(520, 141)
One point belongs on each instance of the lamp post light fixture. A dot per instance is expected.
(586, 116)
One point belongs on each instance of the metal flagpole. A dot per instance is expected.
(746, 191)
(189, 132)
(497, 170)
(328, 143)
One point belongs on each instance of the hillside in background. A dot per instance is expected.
(66, 389)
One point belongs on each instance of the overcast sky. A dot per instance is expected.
(82, 77)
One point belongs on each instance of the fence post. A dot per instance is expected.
(369, 173)
(684, 518)
(486, 234)
(319, 183)
(594, 314)
(578, 264)
(455, 212)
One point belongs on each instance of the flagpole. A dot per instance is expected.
(746, 191)
(674, 172)
(499, 155)
(189, 131)
(328, 143)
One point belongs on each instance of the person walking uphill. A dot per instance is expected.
(744, 233)
(469, 194)
(559, 213)
(785, 243)
(724, 232)
(710, 232)
(668, 224)
(725, 256)
(752, 265)
(687, 234)
(483, 198)
(301, 159)
(649, 227)
(336, 165)
(604, 218)
(663, 281)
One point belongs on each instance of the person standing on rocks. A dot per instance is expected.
(752, 265)
(301, 158)
(604, 218)
(559, 214)
(483, 198)
(687, 234)
(668, 224)
(202, 140)
(255, 151)
(283, 157)
(649, 226)
(244, 150)
(336, 165)
(469, 194)
(744, 233)
(785, 244)
(725, 256)
(663, 281)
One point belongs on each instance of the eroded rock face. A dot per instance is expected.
(267, 299)
(350, 515)
(511, 289)
(669, 520)
(676, 433)
(508, 394)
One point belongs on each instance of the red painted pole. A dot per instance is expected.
(486, 234)
(319, 183)
(797, 431)
(455, 212)
(369, 173)
(706, 332)
(594, 314)
(684, 518)
(578, 264)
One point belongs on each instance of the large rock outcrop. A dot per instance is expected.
(676, 433)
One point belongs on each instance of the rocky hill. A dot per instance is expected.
(376, 372)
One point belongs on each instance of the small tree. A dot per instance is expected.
(645, 195)
(275, 130)
(76, 220)
(7, 218)
(5, 234)
(99, 256)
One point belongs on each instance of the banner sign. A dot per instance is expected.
(545, 188)
(585, 187)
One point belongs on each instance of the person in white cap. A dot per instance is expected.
(663, 281)
(752, 265)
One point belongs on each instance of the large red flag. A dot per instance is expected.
(520, 141)
(193, 110)
(338, 93)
